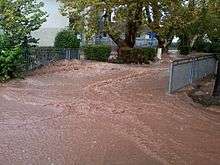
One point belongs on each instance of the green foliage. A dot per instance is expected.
(202, 46)
(149, 53)
(97, 52)
(4, 42)
(208, 47)
(11, 63)
(123, 20)
(168, 18)
(215, 47)
(137, 55)
(67, 39)
(19, 18)
(184, 49)
(198, 19)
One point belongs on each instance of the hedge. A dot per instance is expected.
(137, 55)
(97, 52)
(215, 47)
(67, 39)
(184, 50)
(202, 46)
(207, 47)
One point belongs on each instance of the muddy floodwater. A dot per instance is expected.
(90, 113)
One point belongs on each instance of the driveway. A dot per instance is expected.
(89, 113)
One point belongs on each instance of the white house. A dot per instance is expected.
(55, 23)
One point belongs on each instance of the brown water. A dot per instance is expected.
(86, 113)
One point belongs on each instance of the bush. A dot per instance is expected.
(202, 46)
(150, 53)
(97, 52)
(67, 39)
(215, 47)
(4, 42)
(184, 50)
(137, 55)
(207, 47)
(10, 63)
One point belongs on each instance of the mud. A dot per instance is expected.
(88, 113)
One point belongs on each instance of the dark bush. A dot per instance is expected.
(137, 55)
(97, 52)
(202, 46)
(198, 46)
(184, 50)
(67, 39)
(215, 47)
(11, 63)
(149, 53)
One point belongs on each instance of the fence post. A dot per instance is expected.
(171, 78)
(78, 52)
(191, 71)
(216, 68)
(67, 54)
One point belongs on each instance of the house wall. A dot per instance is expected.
(55, 23)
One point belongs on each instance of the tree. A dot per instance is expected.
(124, 19)
(162, 17)
(19, 18)
(199, 19)
(212, 29)
(127, 20)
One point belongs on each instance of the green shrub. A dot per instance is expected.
(184, 50)
(149, 53)
(67, 39)
(215, 47)
(10, 63)
(97, 52)
(198, 46)
(4, 42)
(207, 47)
(202, 46)
(137, 55)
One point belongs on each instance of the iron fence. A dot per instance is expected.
(42, 56)
(184, 72)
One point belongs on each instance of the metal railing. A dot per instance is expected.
(184, 72)
(42, 56)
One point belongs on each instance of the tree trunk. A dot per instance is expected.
(193, 40)
(161, 43)
(132, 26)
(216, 92)
(168, 43)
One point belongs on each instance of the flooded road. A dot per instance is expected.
(88, 113)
